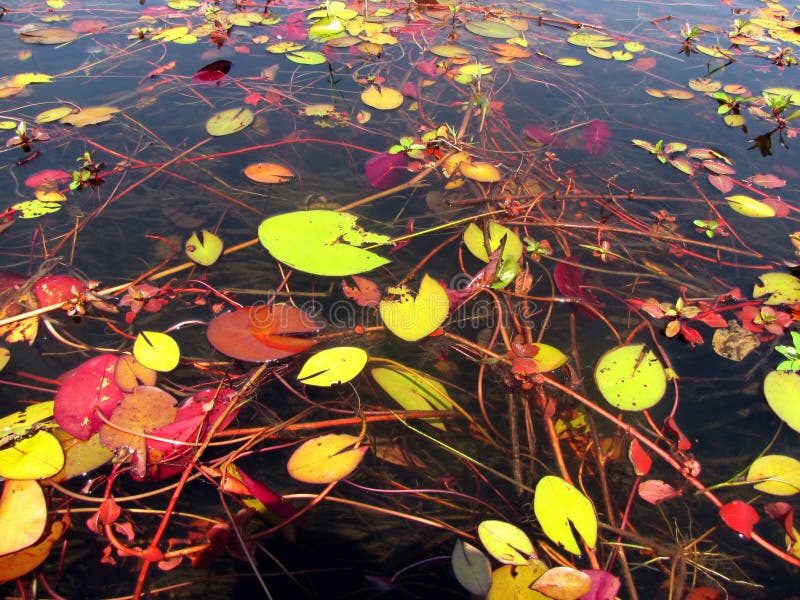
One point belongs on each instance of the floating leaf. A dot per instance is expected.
(631, 377)
(477, 244)
(321, 242)
(411, 318)
(591, 40)
(382, 98)
(792, 93)
(775, 474)
(306, 57)
(506, 542)
(723, 183)
(516, 581)
(204, 249)
(48, 35)
(5, 356)
(704, 84)
(767, 180)
(23, 79)
(23, 515)
(566, 61)
(413, 390)
(560, 507)
(563, 583)
(80, 456)
(284, 47)
(22, 562)
(36, 457)
(471, 568)
(54, 114)
(621, 55)
(21, 421)
(33, 209)
(229, 121)
(91, 115)
(268, 173)
(749, 207)
(739, 516)
(604, 54)
(450, 51)
(634, 46)
(782, 390)
(491, 29)
(480, 171)
(262, 333)
(333, 366)
(326, 459)
(157, 351)
(782, 288)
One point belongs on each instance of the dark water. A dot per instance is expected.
(164, 178)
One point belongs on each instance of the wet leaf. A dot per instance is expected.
(563, 583)
(413, 390)
(268, 173)
(80, 456)
(23, 515)
(229, 121)
(630, 377)
(782, 390)
(326, 459)
(480, 171)
(782, 288)
(640, 460)
(722, 182)
(333, 366)
(514, 581)
(22, 562)
(36, 457)
(204, 249)
(767, 180)
(591, 40)
(775, 474)
(262, 333)
(157, 351)
(306, 57)
(19, 422)
(382, 98)
(321, 242)
(365, 293)
(413, 318)
(749, 207)
(506, 542)
(491, 29)
(48, 36)
(477, 244)
(560, 507)
(656, 491)
(91, 115)
(792, 93)
(739, 516)
(471, 568)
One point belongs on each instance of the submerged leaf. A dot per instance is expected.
(471, 568)
(413, 390)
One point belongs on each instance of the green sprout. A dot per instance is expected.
(791, 353)
(709, 227)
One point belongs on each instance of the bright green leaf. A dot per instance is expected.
(157, 351)
(321, 242)
(630, 377)
(306, 57)
(560, 507)
(229, 121)
(333, 366)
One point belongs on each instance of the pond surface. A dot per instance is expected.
(535, 185)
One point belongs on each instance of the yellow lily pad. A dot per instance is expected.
(749, 207)
(775, 474)
(333, 366)
(326, 459)
(411, 318)
(382, 98)
(157, 351)
(204, 249)
(506, 542)
(560, 507)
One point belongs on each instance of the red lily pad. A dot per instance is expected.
(262, 333)
(739, 516)
(87, 389)
(56, 289)
(48, 177)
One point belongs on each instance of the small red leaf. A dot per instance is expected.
(783, 513)
(672, 427)
(768, 181)
(722, 182)
(266, 496)
(739, 516)
(365, 293)
(712, 319)
(640, 460)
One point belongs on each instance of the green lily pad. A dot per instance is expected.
(413, 390)
(782, 389)
(491, 29)
(321, 242)
(306, 57)
(560, 507)
(588, 39)
(782, 288)
(229, 121)
(631, 377)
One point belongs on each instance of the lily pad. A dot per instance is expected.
(381, 97)
(229, 121)
(506, 542)
(560, 507)
(411, 318)
(782, 288)
(333, 366)
(23, 515)
(326, 459)
(413, 390)
(471, 567)
(491, 29)
(631, 377)
(321, 242)
(476, 242)
(750, 207)
(204, 249)
(157, 351)
(35, 457)
(782, 389)
(775, 474)
(268, 173)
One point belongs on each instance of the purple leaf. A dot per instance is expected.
(540, 135)
(386, 170)
(596, 136)
(569, 282)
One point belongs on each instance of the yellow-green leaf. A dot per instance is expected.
(157, 351)
(21, 421)
(560, 507)
(775, 474)
(548, 358)
(333, 366)
(782, 390)
(591, 40)
(54, 114)
(566, 61)
(506, 542)
(413, 390)
(326, 459)
(749, 207)
(382, 98)
(33, 209)
(412, 319)
(476, 242)
(631, 377)
(229, 121)
(23, 515)
(204, 249)
(36, 457)
(782, 288)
